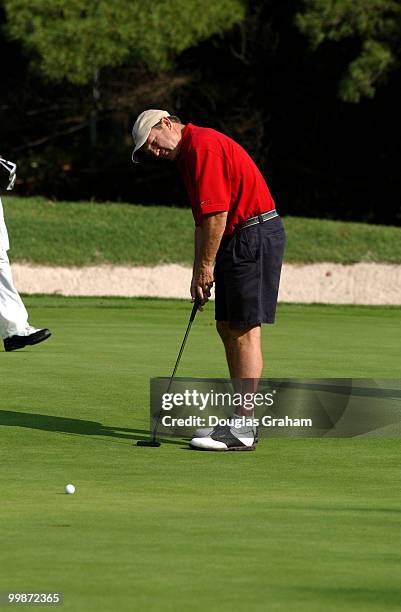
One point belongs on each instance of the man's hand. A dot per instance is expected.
(202, 283)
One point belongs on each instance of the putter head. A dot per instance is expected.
(151, 443)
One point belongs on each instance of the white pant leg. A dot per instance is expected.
(4, 242)
(13, 314)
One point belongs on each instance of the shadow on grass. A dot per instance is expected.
(47, 422)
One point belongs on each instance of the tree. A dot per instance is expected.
(374, 24)
(75, 39)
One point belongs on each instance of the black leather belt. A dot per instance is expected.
(260, 218)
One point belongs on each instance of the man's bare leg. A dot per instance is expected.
(244, 358)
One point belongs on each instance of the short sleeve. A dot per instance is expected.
(212, 182)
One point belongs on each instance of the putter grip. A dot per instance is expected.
(194, 310)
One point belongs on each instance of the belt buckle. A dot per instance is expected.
(260, 218)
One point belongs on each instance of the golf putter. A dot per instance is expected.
(153, 439)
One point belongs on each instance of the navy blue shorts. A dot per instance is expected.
(247, 274)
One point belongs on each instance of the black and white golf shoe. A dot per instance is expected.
(204, 432)
(226, 438)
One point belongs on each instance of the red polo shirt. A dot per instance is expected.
(219, 175)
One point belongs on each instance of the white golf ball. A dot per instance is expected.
(70, 489)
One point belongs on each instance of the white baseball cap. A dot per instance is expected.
(142, 127)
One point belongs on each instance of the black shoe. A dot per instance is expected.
(17, 342)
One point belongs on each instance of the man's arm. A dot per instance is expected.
(207, 242)
(197, 257)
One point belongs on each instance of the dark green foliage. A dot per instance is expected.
(375, 24)
(73, 39)
(258, 82)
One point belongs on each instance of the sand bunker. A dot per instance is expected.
(320, 283)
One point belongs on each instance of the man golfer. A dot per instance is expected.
(14, 327)
(239, 246)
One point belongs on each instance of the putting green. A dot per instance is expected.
(310, 524)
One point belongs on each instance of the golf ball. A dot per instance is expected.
(70, 489)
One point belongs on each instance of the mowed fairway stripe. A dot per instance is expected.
(299, 525)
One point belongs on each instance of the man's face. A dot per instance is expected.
(163, 141)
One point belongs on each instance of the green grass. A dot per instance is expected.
(64, 233)
(306, 525)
